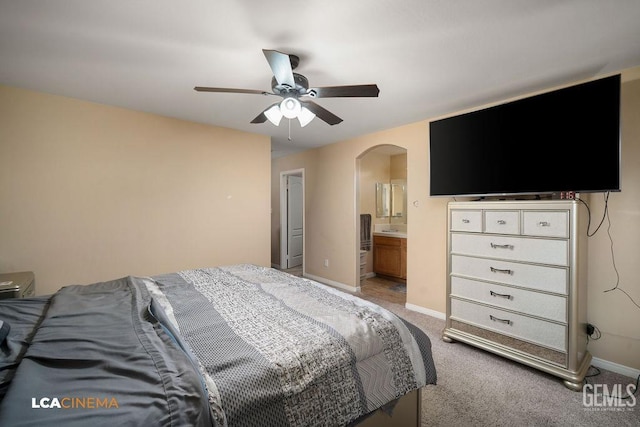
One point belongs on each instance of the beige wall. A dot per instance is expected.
(91, 193)
(332, 183)
(398, 166)
(613, 312)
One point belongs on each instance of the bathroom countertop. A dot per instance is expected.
(399, 234)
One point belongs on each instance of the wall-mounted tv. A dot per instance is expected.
(559, 141)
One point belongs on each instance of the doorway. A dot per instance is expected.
(292, 220)
(382, 165)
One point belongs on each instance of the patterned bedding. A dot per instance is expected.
(261, 347)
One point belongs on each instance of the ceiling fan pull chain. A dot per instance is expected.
(289, 130)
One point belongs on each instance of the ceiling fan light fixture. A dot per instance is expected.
(290, 108)
(274, 115)
(305, 116)
(290, 86)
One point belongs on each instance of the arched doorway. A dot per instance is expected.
(381, 174)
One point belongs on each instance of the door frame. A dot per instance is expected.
(284, 214)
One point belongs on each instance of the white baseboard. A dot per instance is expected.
(427, 311)
(615, 367)
(332, 283)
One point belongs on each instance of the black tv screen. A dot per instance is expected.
(559, 141)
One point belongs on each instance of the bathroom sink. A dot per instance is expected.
(392, 232)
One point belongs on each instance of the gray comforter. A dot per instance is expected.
(95, 356)
(238, 345)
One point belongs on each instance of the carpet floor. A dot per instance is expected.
(477, 388)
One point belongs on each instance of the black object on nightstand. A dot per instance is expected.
(17, 285)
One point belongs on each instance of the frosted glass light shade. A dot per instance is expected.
(305, 116)
(290, 108)
(273, 114)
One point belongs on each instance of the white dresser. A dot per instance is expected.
(517, 283)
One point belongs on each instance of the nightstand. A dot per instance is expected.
(17, 285)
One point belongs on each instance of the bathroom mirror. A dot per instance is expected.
(391, 201)
(383, 200)
(398, 202)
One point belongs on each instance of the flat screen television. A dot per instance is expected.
(559, 141)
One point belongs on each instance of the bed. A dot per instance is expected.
(237, 345)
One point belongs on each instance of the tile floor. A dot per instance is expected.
(384, 289)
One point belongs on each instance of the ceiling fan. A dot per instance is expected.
(297, 94)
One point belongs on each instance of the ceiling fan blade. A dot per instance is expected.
(281, 66)
(231, 90)
(344, 91)
(260, 118)
(322, 113)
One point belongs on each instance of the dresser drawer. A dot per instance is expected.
(546, 223)
(502, 222)
(554, 252)
(536, 277)
(466, 220)
(548, 334)
(550, 307)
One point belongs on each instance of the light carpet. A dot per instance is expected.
(478, 388)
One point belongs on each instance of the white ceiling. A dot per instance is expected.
(428, 57)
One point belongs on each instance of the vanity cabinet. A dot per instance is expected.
(516, 283)
(390, 256)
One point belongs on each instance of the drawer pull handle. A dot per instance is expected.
(465, 220)
(496, 319)
(499, 270)
(501, 221)
(496, 246)
(544, 224)
(495, 294)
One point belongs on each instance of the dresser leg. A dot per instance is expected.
(446, 339)
(574, 386)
